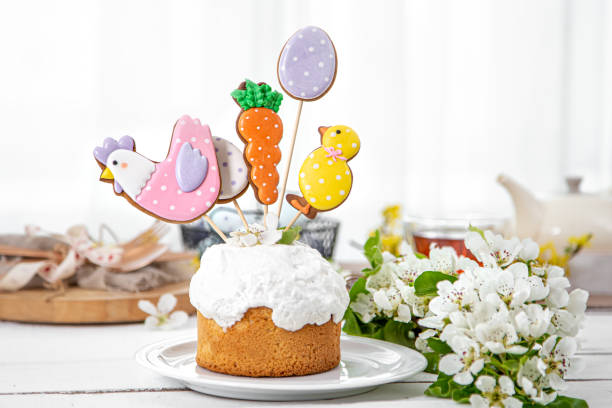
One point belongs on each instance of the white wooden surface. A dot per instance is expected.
(93, 366)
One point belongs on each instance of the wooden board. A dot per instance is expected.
(77, 305)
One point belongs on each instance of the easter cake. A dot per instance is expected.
(268, 310)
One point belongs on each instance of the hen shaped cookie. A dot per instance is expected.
(179, 189)
(325, 176)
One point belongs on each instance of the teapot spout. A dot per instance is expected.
(528, 209)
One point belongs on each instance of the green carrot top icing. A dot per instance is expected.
(257, 96)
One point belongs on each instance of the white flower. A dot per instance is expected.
(159, 316)
(511, 284)
(416, 303)
(565, 323)
(421, 341)
(498, 335)
(464, 362)
(364, 306)
(443, 259)
(532, 379)
(577, 302)
(465, 264)
(452, 296)
(557, 284)
(257, 234)
(410, 267)
(493, 249)
(403, 313)
(557, 357)
(533, 320)
(271, 235)
(495, 393)
(530, 250)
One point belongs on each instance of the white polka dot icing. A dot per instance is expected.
(232, 167)
(325, 176)
(306, 64)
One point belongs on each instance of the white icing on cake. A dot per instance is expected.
(295, 281)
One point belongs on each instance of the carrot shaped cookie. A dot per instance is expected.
(261, 129)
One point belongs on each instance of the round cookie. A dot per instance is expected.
(232, 169)
(307, 64)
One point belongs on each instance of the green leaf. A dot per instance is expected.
(291, 235)
(358, 287)
(560, 402)
(478, 230)
(257, 96)
(439, 346)
(351, 324)
(511, 365)
(433, 359)
(367, 272)
(442, 387)
(372, 250)
(425, 284)
(445, 387)
(420, 255)
(399, 333)
(354, 326)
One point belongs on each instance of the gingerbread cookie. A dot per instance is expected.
(233, 170)
(179, 189)
(260, 127)
(307, 64)
(325, 178)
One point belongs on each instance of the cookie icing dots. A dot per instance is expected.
(180, 188)
(325, 178)
(307, 64)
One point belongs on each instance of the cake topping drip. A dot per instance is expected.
(295, 281)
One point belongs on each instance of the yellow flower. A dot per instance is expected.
(549, 254)
(581, 241)
(391, 213)
(391, 243)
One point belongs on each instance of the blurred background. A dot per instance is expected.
(444, 95)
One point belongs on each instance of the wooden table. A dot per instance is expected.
(92, 366)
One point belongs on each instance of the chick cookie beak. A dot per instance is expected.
(107, 174)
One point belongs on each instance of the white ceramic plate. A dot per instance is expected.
(365, 364)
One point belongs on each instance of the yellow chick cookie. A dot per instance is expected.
(325, 177)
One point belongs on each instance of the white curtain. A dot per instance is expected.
(445, 94)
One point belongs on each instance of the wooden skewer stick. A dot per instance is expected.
(265, 218)
(241, 214)
(214, 226)
(288, 167)
(293, 220)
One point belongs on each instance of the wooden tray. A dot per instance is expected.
(77, 305)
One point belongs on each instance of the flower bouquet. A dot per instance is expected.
(499, 332)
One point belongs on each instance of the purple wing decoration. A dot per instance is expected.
(191, 168)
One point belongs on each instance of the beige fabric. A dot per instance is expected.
(16, 273)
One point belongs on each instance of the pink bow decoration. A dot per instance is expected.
(334, 153)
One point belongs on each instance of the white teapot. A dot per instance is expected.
(560, 217)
